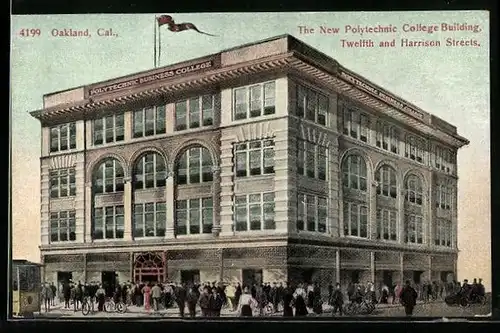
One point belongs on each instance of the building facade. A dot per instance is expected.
(266, 162)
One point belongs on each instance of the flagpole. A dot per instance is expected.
(159, 46)
(154, 60)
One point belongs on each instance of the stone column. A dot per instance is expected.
(170, 201)
(127, 209)
(429, 211)
(42, 268)
(372, 266)
(87, 237)
(337, 266)
(216, 190)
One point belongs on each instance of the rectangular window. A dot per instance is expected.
(312, 105)
(254, 101)
(109, 129)
(386, 224)
(364, 128)
(63, 137)
(312, 213)
(62, 226)
(149, 219)
(254, 212)
(346, 120)
(355, 220)
(109, 222)
(62, 183)
(149, 121)
(194, 216)
(312, 160)
(194, 112)
(394, 140)
(254, 158)
(414, 229)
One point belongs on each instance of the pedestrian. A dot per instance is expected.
(300, 302)
(317, 302)
(180, 298)
(204, 302)
(146, 292)
(54, 292)
(191, 300)
(67, 294)
(337, 300)
(288, 301)
(216, 302)
(246, 304)
(408, 298)
(46, 295)
(100, 295)
(385, 295)
(156, 294)
(230, 296)
(237, 294)
(274, 297)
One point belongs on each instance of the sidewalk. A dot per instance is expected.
(58, 311)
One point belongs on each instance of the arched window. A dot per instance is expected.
(194, 166)
(354, 172)
(414, 190)
(108, 177)
(386, 178)
(149, 171)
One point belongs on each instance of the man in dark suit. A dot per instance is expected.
(409, 298)
(180, 298)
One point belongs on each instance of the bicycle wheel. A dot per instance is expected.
(464, 302)
(109, 306)
(121, 307)
(85, 308)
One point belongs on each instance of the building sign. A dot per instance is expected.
(148, 79)
(381, 95)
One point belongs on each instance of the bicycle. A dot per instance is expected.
(111, 306)
(354, 308)
(88, 306)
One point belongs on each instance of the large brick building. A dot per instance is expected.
(268, 161)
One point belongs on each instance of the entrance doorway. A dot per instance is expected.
(416, 276)
(307, 275)
(355, 276)
(108, 280)
(150, 267)
(251, 277)
(190, 277)
(387, 278)
(64, 277)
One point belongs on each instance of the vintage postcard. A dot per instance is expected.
(295, 164)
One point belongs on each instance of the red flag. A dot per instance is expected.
(172, 26)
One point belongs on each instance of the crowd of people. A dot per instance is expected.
(249, 300)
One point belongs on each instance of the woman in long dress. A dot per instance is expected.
(300, 302)
(146, 291)
(287, 302)
(246, 304)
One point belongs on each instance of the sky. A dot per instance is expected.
(451, 82)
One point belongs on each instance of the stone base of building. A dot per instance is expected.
(294, 264)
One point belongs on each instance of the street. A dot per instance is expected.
(432, 309)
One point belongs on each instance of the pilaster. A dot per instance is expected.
(127, 209)
(128, 123)
(337, 266)
(401, 215)
(170, 203)
(401, 267)
(88, 212)
(372, 266)
(216, 190)
(226, 183)
(372, 210)
(281, 185)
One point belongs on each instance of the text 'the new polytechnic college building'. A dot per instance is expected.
(266, 162)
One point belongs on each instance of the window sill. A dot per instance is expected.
(192, 130)
(63, 152)
(204, 235)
